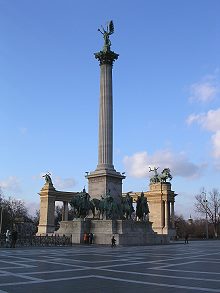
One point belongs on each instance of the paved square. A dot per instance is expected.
(164, 268)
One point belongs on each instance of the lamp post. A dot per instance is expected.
(206, 215)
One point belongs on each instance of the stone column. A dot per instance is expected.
(166, 215)
(47, 208)
(65, 211)
(105, 179)
(105, 149)
(105, 119)
(172, 215)
(161, 201)
(162, 214)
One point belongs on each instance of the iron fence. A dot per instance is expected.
(38, 241)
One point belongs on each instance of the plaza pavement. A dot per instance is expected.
(163, 268)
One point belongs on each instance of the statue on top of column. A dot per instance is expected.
(155, 178)
(165, 174)
(106, 33)
(47, 178)
(106, 56)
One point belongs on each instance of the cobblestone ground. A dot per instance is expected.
(194, 267)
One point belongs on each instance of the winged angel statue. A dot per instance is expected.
(106, 33)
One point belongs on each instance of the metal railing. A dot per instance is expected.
(38, 241)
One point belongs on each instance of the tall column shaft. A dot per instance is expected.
(105, 150)
(105, 180)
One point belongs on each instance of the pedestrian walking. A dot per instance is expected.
(113, 241)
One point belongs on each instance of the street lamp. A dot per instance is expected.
(206, 215)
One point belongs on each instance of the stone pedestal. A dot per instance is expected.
(76, 228)
(102, 182)
(161, 205)
(126, 232)
(47, 207)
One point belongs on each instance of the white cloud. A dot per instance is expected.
(211, 122)
(11, 183)
(138, 164)
(194, 118)
(205, 90)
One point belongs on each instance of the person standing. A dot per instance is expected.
(7, 238)
(86, 238)
(14, 237)
(90, 238)
(186, 238)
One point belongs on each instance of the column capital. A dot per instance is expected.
(106, 57)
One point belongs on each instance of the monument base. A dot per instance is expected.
(102, 182)
(161, 200)
(126, 232)
(45, 230)
(76, 228)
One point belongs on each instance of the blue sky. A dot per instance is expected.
(166, 86)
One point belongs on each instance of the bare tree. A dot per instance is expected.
(208, 204)
(12, 211)
(181, 226)
(36, 217)
(58, 215)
